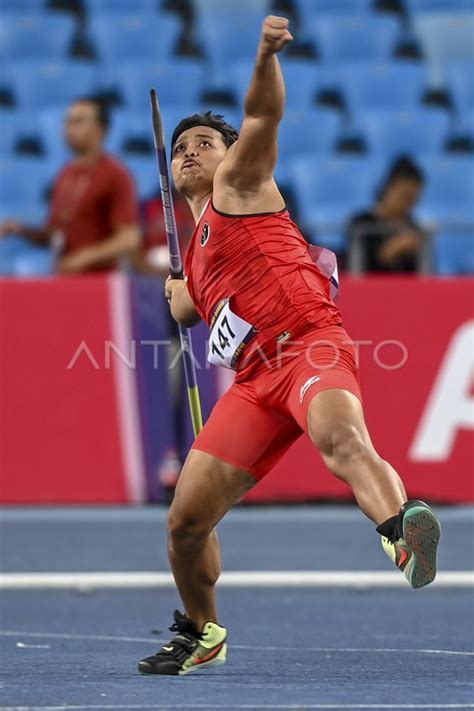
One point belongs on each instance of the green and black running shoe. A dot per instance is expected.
(190, 650)
(413, 548)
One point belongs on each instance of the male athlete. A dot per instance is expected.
(251, 278)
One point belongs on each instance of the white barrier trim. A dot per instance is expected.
(127, 398)
(232, 579)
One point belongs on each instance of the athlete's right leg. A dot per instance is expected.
(238, 445)
(207, 488)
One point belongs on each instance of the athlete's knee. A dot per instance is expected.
(342, 444)
(187, 528)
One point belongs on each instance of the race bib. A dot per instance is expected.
(228, 336)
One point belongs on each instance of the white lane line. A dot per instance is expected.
(232, 579)
(296, 707)
(157, 641)
(258, 515)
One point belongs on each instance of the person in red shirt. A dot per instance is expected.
(94, 208)
(153, 257)
(251, 277)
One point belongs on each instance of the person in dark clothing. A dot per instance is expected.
(387, 238)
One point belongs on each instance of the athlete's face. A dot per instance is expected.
(196, 155)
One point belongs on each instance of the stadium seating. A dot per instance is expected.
(304, 79)
(315, 8)
(328, 191)
(45, 37)
(145, 173)
(121, 36)
(389, 133)
(449, 186)
(444, 37)
(310, 131)
(24, 178)
(28, 210)
(348, 37)
(13, 126)
(37, 85)
(26, 7)
(229, 32)
(382, 85)
(178, 82)
(49, 128)
(137, 7)
(461, 85)
(453, 252)
(414, 7)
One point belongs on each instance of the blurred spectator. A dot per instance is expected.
(153, 257)
(94, 211)
(387, 238)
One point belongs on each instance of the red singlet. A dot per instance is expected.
(262, 263)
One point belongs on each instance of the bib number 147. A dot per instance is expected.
(228, 337)
(225, 335)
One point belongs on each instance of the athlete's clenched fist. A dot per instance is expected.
(275, 34)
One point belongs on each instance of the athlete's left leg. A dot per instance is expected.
(336, 425)
(410, 530)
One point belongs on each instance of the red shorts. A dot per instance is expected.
(257, 420)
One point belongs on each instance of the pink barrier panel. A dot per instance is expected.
(68, 417)
(415, 339)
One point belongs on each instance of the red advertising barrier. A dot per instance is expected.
(63, 438)
(415, 339)
(71, 433)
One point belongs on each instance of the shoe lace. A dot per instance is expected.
(185, 641)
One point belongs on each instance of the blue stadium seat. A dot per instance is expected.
(444, 37)
(138, 7)
(24, 179)
(344, 37)
(329, 191)
(49, 128)
(390, 85)
(453, 252)
(461, 85)
(226, 8)
(34, 261)
(128, 124)
(26, 7)
(122, 36)
(314, 131)
(45, 37)
(414, 7)
(179, 81)
(303, 79)
(449, 186)
(145, 174)
(13, 126)
(37, 85)
(422, 130)
(228, 31)
(27, 210)
(311, 8)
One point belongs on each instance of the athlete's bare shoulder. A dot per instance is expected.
(227, 199)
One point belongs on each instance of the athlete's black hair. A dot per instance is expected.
(229, 134)
(402, 168)
(101, 107)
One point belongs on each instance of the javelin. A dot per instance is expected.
(176, 265)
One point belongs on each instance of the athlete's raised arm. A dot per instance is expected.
(245, 175)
